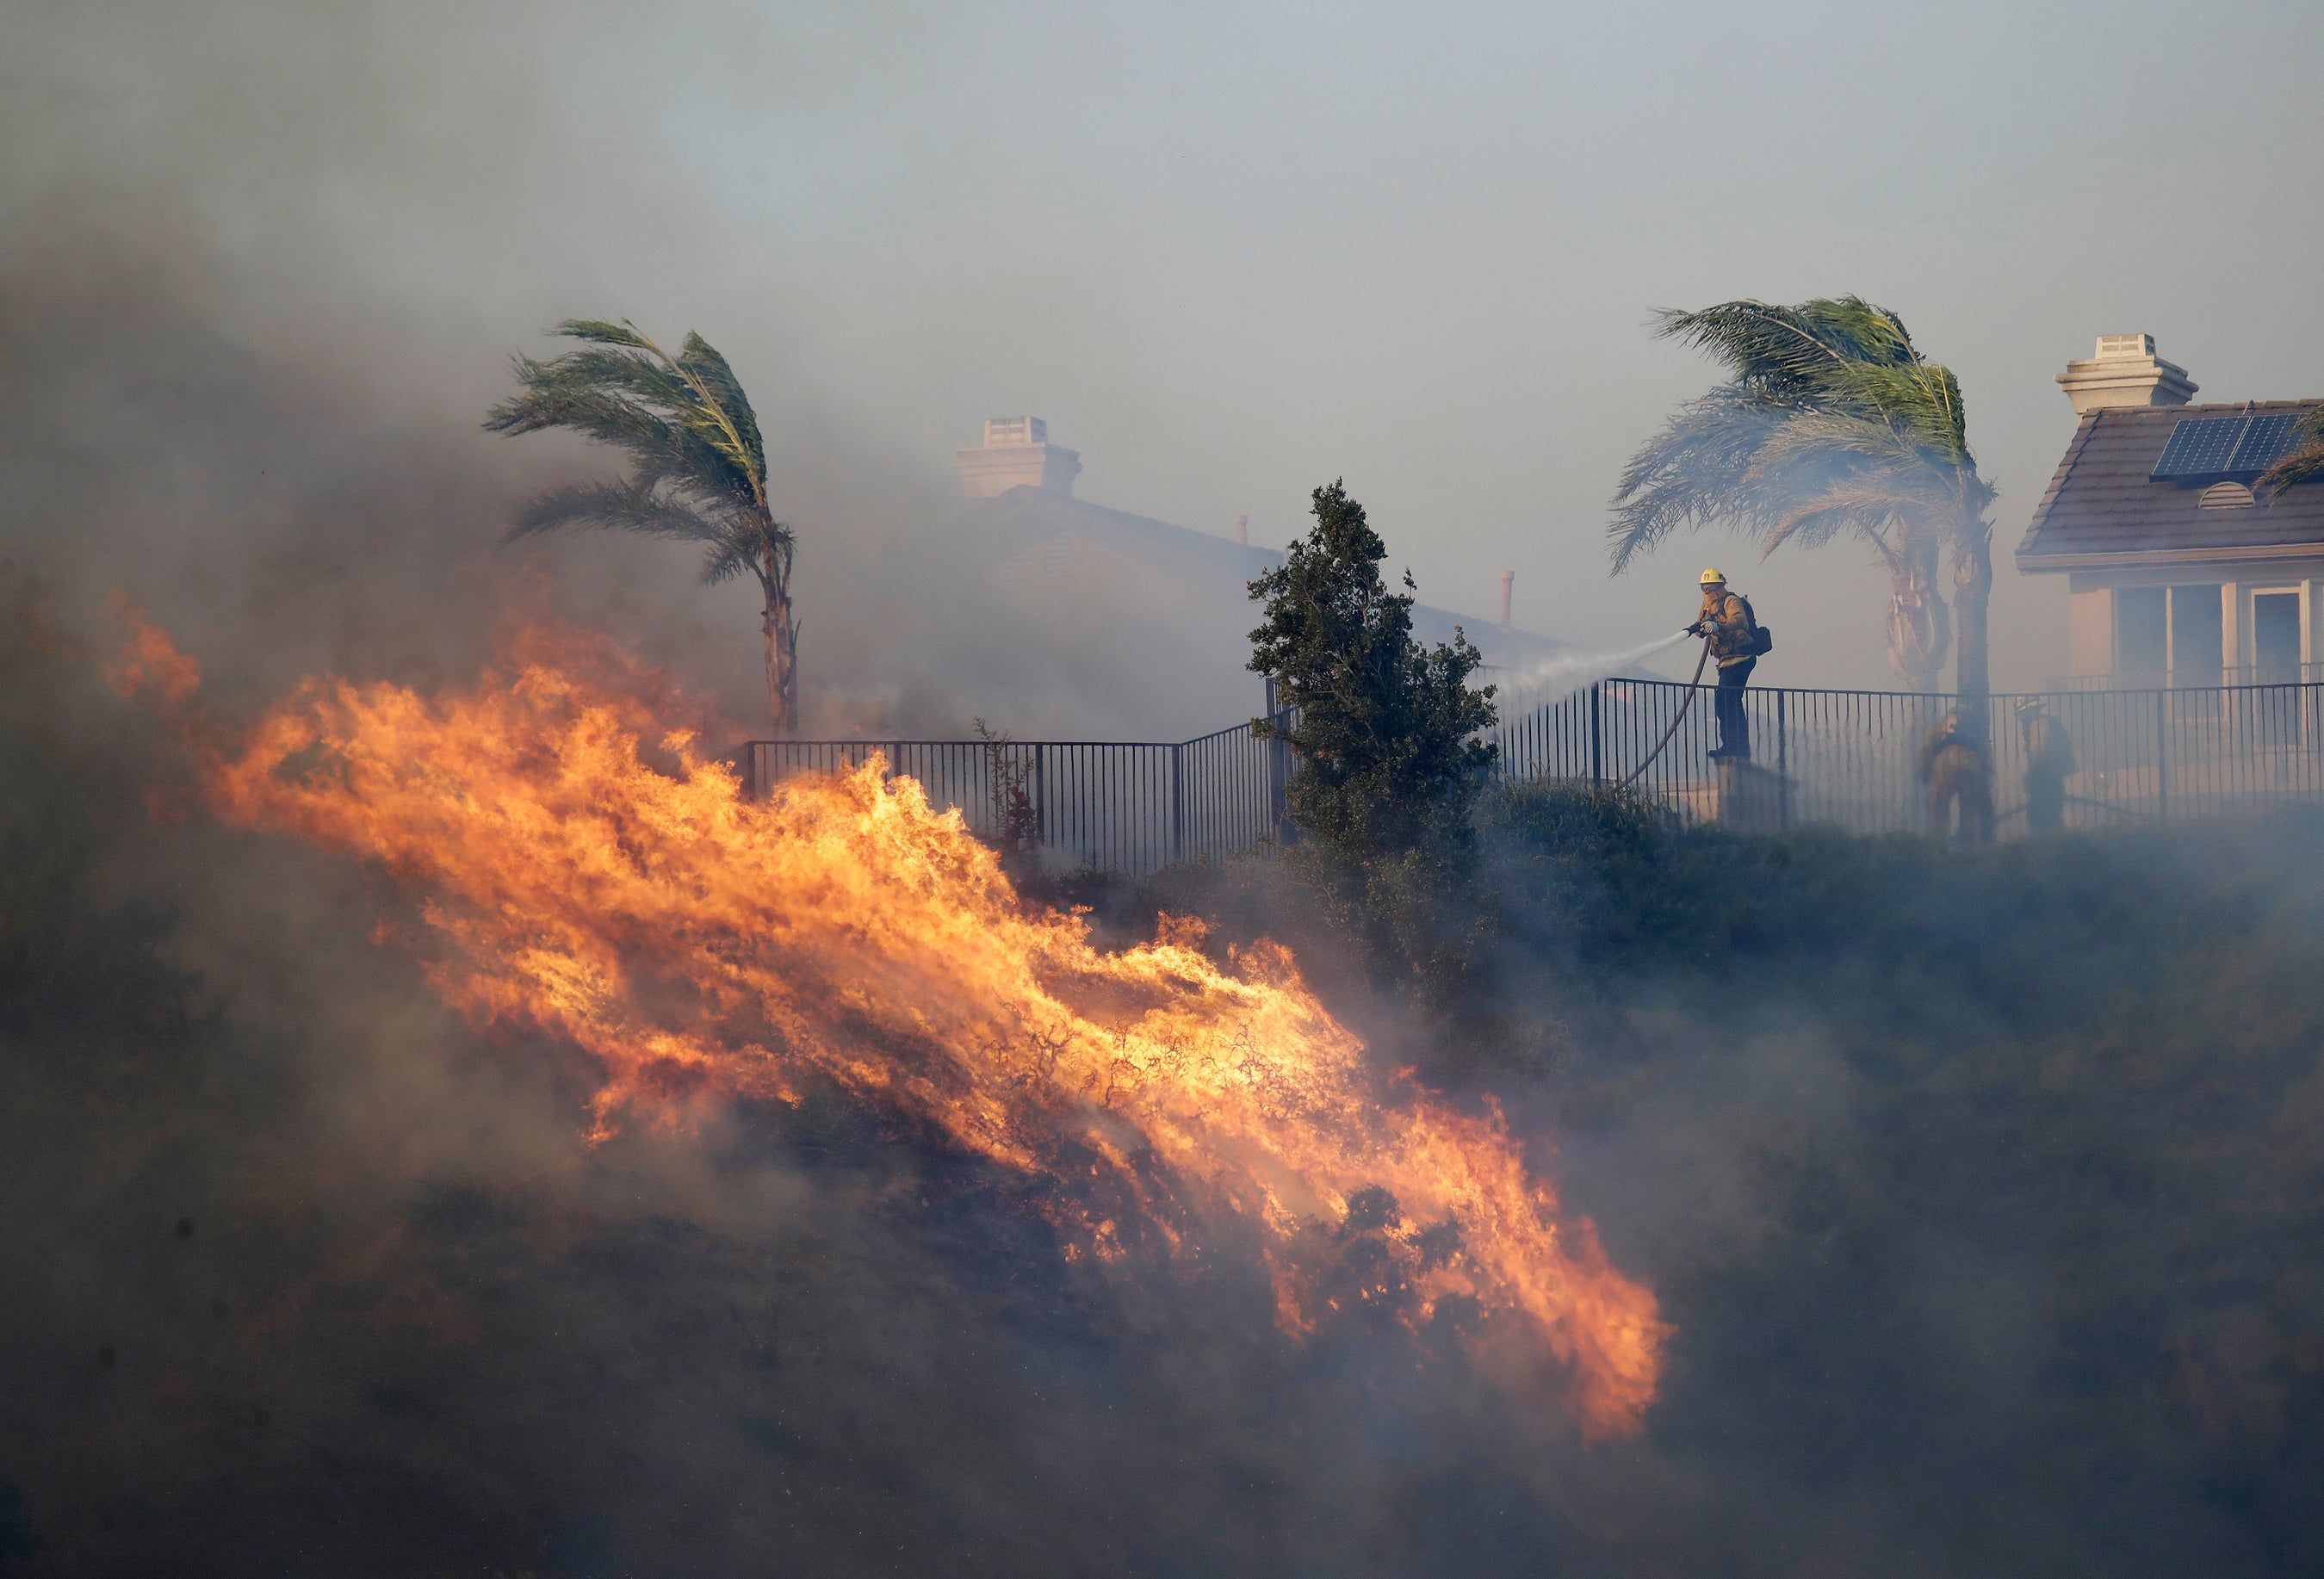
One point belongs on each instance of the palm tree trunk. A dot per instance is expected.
(782, 647)
(1972, 593)
(1918, 629)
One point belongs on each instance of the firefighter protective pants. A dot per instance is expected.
(1967, 783)
(1734, 727)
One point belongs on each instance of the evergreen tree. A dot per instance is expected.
(1386, 765)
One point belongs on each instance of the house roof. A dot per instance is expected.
(2103, 510)
(1036, 513)
(1204, 560)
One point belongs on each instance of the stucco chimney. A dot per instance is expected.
(2124, 371)
(1016, 454)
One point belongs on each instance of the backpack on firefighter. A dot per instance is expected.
(1756, 641)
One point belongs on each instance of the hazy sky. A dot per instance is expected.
(1232, 252)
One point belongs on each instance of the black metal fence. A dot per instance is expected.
(1129, 806)
(1851, 759)
(1843, 759)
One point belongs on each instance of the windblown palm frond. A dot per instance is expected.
(2305, 460)
(1830, 422)
(1812, 520)
(699, 465)
(684, 419)
(621, 506)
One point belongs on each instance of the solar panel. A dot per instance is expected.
(2199, 447)
(2265, 441)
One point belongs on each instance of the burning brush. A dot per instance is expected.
(703, 945)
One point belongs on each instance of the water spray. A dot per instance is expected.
(1562, 676)
(1559, 678)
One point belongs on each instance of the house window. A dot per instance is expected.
(2142, 636)
(2169, 634)
(2196, 632)
(2275, 637)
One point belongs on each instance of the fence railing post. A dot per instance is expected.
(1178, 804)
(1040, 793)
(1278, 786)
(1783, 765)
(1596, 737)
(2162, 753)
(1279, 770)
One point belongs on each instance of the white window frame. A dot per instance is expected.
(2171, 654)
(2248, 632)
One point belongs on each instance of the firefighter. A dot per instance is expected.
(1733, 631)
(1954, 766)
(2049, 764)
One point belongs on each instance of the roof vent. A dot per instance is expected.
(1016, 454)
(2226, 496)
(2124, 371)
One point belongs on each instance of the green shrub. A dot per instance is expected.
(1386, 765)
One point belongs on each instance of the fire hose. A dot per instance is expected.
(1692, 686)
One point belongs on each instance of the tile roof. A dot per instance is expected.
(2101, 509)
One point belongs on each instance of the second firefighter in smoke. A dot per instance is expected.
(1958, 771)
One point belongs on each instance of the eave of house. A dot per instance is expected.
(2041, 564)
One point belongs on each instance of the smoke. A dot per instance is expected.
(264, 268)
(1949, 1166)
(841, 931)
(313, 1268)
(1981, 1195)
(314, 1271)
(1558, 678)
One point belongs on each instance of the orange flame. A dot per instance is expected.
(148, 659)
(700, 943)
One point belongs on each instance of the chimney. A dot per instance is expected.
(1507, 578)
(1243, 529)
(1016, 454)
(2125, 372)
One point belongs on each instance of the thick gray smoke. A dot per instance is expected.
(1984, 1194)
(265, 265)
(313, 1277)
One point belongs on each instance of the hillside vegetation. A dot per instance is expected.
(1987, 1190)
(1983, 1193)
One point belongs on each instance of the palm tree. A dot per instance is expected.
(698, 467)
(2304, 461)
(1831, 421)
